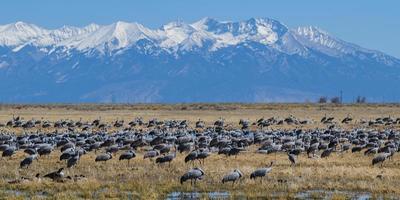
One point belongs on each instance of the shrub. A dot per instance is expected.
(335, 100)
(361, 99)
(323, 99)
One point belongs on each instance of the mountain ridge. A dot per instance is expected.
(255, 60)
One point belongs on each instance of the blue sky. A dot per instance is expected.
(370, 23)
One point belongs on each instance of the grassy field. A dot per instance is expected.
(232, 113)
(143, 179)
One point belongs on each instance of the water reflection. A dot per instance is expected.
(304, 195)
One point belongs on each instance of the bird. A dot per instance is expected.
(66, 155)
(200, 124)
(27, 161)
(345, 147)
(202, 155)
(232, 176)
(292, 159)
(8, 152)
(128, 155)
(192, 175)
(326, 153)
(45, 150)
(73, 160)
(103, 157)
(167, 158)
(372, 150)
(347, 119)
(192, 156)
(356, 149)
(261, 172)
(234, 151)
(323, 119)
(380, 158)
(151, 154)
(55, 176)
(30, 151)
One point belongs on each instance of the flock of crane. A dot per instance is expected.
(162, 140)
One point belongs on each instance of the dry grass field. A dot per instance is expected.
(342, 174)
(232, 113)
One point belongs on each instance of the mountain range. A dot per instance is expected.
(256, 60)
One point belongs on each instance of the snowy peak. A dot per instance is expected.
(22, 27)
(70, 31)
(252, 26)
(207, 34)
(177, 25)
(19, 33)
(125, 34)
(316, 38)
(206, 23)
(264, 26)
(111, 37)
(262, 30)
(181, 36)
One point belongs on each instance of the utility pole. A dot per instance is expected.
(341, 96)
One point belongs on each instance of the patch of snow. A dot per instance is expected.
(75, 65)
(61, 78)
(3, 64)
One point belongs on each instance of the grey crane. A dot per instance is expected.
(67, 154)
(192, 156)
(232, 176)
(167, 158)
(45, 150)
(380, 158)
(347, 119)
(234, 151)
(73, 160)
(200, 124)
(261, 172)
(128, 155)
(326, 153)
(372, 150)
(8, 152)
(27, 161)
(292, 159)
(202, 155)
(312, 149)
(151, 154)
(3, 147)
(192, 175)
(345, 147)
(103, 157)
(30, 151)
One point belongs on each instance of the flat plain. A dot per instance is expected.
(342, 175)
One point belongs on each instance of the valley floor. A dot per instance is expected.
(341, 176)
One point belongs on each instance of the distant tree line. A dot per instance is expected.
(361, 99)
(337, 100)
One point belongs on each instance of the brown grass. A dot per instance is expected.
(145, 180)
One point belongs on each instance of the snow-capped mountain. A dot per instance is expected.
(256, 60)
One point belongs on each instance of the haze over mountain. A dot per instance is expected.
(257, 60)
